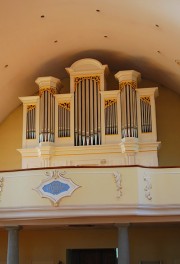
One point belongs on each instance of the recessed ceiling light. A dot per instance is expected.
(97, 10)
(177, 62)
(42, 16)
(5, 66)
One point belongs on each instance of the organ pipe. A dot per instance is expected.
(47, 115)
(87, 111)
(146, 120)
(128, 109)
(91, 111)
(111, 120)
(64, 119)
(76, 118)
(31, 122)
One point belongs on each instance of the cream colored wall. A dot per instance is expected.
(168, 124)
(168, 127)
(10, 140)
(155, 243)
(51, 245)
(146, 243)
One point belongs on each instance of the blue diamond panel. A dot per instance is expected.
(56, 187)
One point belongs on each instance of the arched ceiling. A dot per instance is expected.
(42, 37)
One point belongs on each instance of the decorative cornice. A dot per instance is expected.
(124, 146)
(87, 65)
(83, 214)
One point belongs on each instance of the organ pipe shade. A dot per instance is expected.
(128, 103)
(64, 119)
(146, 119)
(87, 111)
(47, 116)
(31, 122)
(111, 120)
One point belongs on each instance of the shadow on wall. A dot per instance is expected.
(116, 61)
(167, 104)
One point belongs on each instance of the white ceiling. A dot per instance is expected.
(141, 34)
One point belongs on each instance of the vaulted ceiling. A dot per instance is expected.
(42, 37)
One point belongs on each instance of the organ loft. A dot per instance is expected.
(90, 125)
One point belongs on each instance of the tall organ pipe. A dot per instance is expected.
(91, 112)
(64, 119)
(30, 122)
(111, 121)
(128, 110)
(146, 120)
(47, 116)
(87, 111)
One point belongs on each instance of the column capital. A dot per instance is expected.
(49, 83)
(13, 228)
(123, 225)
(130, 75)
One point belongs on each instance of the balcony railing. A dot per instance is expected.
(105, 194)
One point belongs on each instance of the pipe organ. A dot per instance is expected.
(87, 111)
(128, 109)
(146, 121)
(91, 125)
(64, 119)
(111, 118)
(31, 122)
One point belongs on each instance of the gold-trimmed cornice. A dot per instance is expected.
(48, 89)
(132, 84)
(78, 79)
(30, 107)
(146, 99)
(109, 102)
(65, 105)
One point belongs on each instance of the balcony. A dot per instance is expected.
(87, 195)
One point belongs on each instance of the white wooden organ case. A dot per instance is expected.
(91, 125)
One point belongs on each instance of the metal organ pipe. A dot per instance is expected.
(87, 111)
(128, 109)
(79, 90)
(30, 122)
(76, 116)
(146, 120)
(99, 117)
(91, 112)
(83, 111)
(95, 112)
(111, 120)
(64, 119)
(47, 115)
